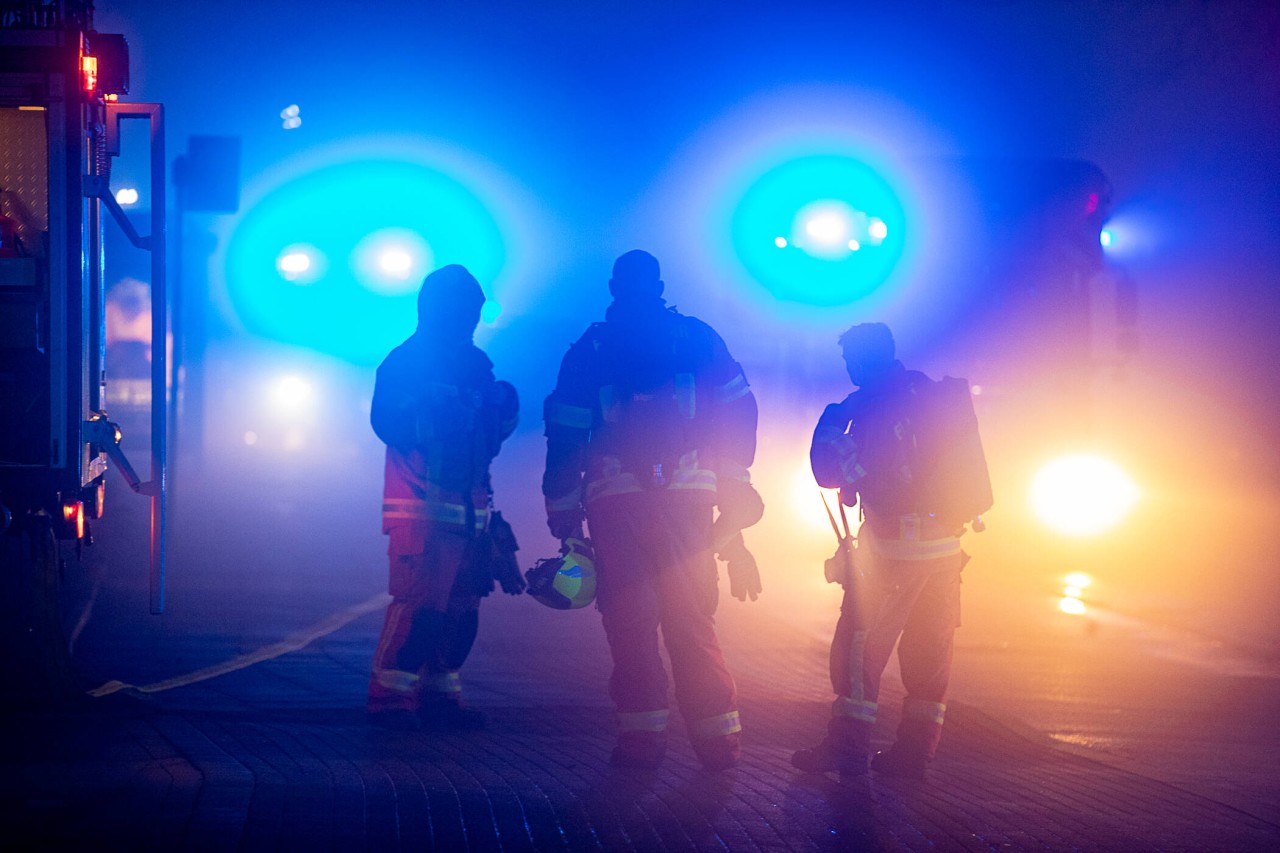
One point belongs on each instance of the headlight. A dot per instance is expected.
(1082, 495)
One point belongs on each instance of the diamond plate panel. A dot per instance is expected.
(24, 172)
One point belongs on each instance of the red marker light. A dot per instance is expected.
(73, 516)
(89, 65)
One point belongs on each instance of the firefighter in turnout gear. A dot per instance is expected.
(443, 417)
(652, 425)
(907, 449)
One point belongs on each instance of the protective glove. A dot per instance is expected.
(744, 574)
(503, 564)
(506, 571)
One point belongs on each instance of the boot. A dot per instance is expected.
(917, 740)
(844, 749)
(905, 759)
(719, 753)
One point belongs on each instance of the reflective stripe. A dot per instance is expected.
(724, 724)
(919, 549)
(733, 389)
(734, 472)
(858, 709)
(857, 653)
(443, 682)
(696, 479)
(563, 414)
(924, 712)
(851, 470)
(442, 513)
(699, 479)
(686, 395)
(643, 721)
(570, 501)
(403, 508)
(618, 484)
(396, 679)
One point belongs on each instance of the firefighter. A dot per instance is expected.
(898, 448)
(650, 426)
(443, 417)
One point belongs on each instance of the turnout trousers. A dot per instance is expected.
(431, 622)
(914, 604)
(656, 572)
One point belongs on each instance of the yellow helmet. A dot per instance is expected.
(567, 581)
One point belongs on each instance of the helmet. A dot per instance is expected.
(568, 581)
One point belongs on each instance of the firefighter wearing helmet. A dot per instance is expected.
(443, 416)
(652, 425)
(906, 450)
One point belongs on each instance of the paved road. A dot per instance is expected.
(1054, 741)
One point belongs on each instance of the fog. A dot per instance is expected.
(583, 130)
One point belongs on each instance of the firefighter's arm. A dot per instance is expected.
(394, 412)
(833, 455)
(568, 415)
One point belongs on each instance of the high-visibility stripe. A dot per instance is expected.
(857, 709)
(396, 679)
(404, 507)
(618, 484)
(562, 414)
(443, 682)
(718, 726)
(924, 712)
(626, 483)
(733, 389)
(442, 513)
(852, 470)
(914, 549)
(643, 721)
(697, 479)
(686, 395)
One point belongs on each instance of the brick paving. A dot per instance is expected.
(277, 756)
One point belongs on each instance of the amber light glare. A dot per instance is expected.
(89, 65)
(1082, 495)
(73, 515)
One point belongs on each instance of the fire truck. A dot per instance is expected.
(61, 84)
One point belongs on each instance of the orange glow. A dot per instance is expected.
(1082, 495)
(73, 514)
(1072, 606)
(89, 65)
(1078, 579)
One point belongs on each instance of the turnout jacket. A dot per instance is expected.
(648, 399)
(443, 417)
